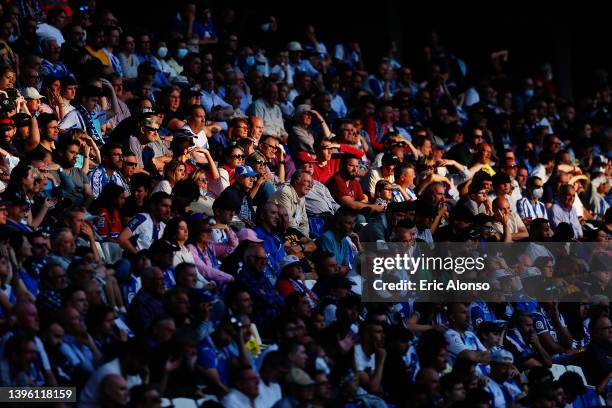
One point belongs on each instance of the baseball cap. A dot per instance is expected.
(13, 199)
(288, 261)
(297, 376)
(470, 233)
(247, 234)
(502, 356)
(488, 326)
(163, 245)
(245, 171)
(390, 158)
(7, 105)
(6, 123)
(200, 296)
(305, 157)
(339, 281)
(32, 93)
(183, 133)
(294, 46)
(22, 119)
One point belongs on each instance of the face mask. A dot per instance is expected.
(162, 52)
(250, 60)
(181, 52)
(538, 193)
(529, 92)
(321, 365)
(265, 27)
(203, 192)
(193, 48)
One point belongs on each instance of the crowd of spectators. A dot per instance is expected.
(183, 209)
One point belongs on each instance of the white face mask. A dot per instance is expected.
(193, 48)
(162, 52)
(538, 193)
(203, 192)
(181, 52)
(321, 365)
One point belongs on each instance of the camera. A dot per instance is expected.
(12, 93)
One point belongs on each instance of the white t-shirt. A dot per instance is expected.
(268, 394)
(363, 362)
(236, 399)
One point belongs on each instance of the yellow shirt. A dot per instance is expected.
(100, 55)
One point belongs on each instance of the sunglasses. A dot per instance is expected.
(237, 156)
(262, 162)
(151, 129)
(131, 164)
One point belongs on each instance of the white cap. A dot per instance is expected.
(294, 46)
(32, 93)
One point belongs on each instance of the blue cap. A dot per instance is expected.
(245, 171)
(201, 296)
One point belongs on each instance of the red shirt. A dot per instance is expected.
(338, 188)
(109, 228)
(322, 173)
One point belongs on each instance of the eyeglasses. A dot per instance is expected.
(131, 164)
(237, 156)
(270, 146)
(260, 162)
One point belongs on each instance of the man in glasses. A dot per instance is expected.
(150, 151)
(464, 152)
(272, 150)
(110, 169)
